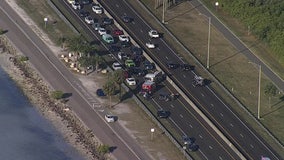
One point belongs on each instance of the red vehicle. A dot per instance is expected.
(118, 32)
(149, 86)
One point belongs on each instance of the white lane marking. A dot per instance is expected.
(241, 121)
(158, 49)
(251, 146)
(202, 94)
(220, 158)
(184, 76)
(172, 106)
(117, 6)
(210, 147)
(200, 137)
(212, 105)
(181, 115)
(167, 58)
(203, 154)
(231, 125)
(221, 115)
(190, 126)
(141, 30)
(241, 135)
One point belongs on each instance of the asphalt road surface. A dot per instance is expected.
(210, 144)
(241, 135)
(60, 78)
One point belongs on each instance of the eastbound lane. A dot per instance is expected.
(209, 102)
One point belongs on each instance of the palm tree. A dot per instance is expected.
(109, 89)
(99, 60)
(118, 77)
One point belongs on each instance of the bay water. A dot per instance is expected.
(24, 133)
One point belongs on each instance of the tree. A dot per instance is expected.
(103, 149)
(99, 60)
(62, 42)
(270, 90)
(109, 88)
(57, 94)
(118, 77)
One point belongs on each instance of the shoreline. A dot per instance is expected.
(37, 92)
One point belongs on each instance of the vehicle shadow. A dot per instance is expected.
(112, 148)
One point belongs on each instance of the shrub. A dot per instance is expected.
(57, 94)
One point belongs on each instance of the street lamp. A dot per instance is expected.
(163, 16)
(216, 5)
(152, 133)
(259, 85)
(208, 44)
(45, 21)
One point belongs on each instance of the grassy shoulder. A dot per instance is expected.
(228, 65)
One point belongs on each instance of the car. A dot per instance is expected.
(76, 5)
(89, 20)
(70, 1)
(123, 38)
(172, 65)
(107, 21)
(97, 9)
(96, 26)
(102, 31)
(198, 81)
(131, 81)
(100, 93)
(122, 56)
(83, 13)
(113, 48)
(153, 34)
(148, 66)
(126, 19)
(163, 114)
(117, 32)
(137, 71)
(137, 50)
(107, 38)
(129, 63)
(186, 140)
(85, 2)
(125, 44)
(186, 67)
(116, 66)
(192, 148)
(109, 118)
(150, 45)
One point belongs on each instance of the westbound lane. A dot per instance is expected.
(56, 74)
(216, 109)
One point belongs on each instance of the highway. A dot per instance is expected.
(240, 134)
(60, 78)
(210, 145)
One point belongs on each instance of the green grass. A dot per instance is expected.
(226, 63)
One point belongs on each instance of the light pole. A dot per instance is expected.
(152, 133)
(259, 83)
(259, 86)
(163, 16)
(208, 44)
(45, 21)
(216, 6)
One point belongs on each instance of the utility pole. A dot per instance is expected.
(259, 83)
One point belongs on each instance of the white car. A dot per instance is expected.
(153, 34)
(131, 81)
(122, 55)
(109, 118)
(123, 38)
(76, 5)
(150, 45)
(102, 31)
(97, 9)
(70, 1)
(89, 20)
(116, 66)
